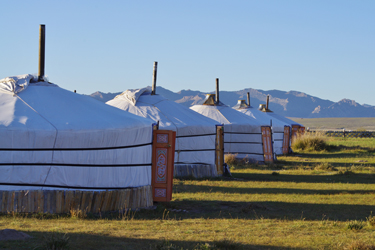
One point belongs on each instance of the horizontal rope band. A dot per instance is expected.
(193, 150)
(72, 149)
(192, 163)
(238, 133)
(242, 153)
(60, 186)
(182, 136)
(75, 165)
(244, 142)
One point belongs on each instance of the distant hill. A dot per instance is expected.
(344, 108)
(104, 97)
(290, 104)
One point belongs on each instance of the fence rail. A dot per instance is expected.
(349, 134)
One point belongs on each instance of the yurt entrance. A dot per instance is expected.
(162, 164)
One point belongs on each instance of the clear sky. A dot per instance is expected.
(323, 48)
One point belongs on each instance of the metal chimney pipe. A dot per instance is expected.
(42, 49)
(248, 98)
(153, 91)
(217, 90)
(268, 101)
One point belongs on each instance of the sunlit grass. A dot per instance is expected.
(315, 201)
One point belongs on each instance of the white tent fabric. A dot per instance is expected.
(242, 134)
(264, 119)
(15, 84)
(281, 118)
(53, 138)
(195, 134)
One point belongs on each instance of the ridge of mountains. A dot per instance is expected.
(289, 104)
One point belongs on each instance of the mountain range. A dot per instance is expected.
(289, 104)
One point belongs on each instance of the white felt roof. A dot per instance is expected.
(263, 118)
(227, 115)
(281, 118)
(169, 114)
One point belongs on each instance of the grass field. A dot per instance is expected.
(338, 123)
(315, 200)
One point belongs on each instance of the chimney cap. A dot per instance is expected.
(241, 104)
(211, 100)
(262, 107)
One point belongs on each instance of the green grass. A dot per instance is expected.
(317, 200)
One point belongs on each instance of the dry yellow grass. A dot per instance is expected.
(300, 208)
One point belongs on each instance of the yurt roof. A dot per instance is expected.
(169, 114)
(227, 116)
(259, 116)
(224, 114)
(283, 119)
(265, 109)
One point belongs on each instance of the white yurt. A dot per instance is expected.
(242, 133)
(278, 127)
(196, 135)
(295, 126)
(60, 150)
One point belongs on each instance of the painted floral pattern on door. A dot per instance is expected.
(162, 138)
(161, 165)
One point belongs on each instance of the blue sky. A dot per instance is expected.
(323, 48)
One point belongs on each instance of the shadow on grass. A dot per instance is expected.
(321, 178)
(94, 242)
(247, 210)
(269, 210)
(247, 190)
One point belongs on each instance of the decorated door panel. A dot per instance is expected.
(162, 164)
(267, 144)
(286, 140)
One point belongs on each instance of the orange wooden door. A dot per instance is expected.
(162, 164)
(267, 144)
(286, 140)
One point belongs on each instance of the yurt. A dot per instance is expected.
(197, 137)
(61, 150)
(296, 128)
(242, 133)
(280, 130)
